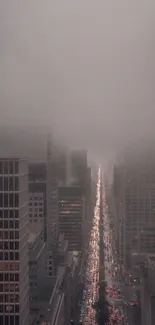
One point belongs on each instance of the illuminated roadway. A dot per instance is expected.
(114, 295)
(91, 287)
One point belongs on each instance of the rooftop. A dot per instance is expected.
(32, 238)
(48, 298)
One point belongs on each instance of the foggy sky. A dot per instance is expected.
(84, 68)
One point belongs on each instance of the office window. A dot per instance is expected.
(6, 213)
(16, 167)
(17, 320)
(6, 201)
(11, 245)
(1, 200)
(11, 235)
(16, 235)
(11, 167)
(11, 224)
(1, 184)
(11, 183)
(16, 224)
(11, 200)
(16, 184)
(5, 165)
(11, 256)
(1, 167)
(16, 200)
(6, 256)
(6, 245)
(16, 256)
(6, 184)
(6, 234)
(17, 245)
(6, 224)
(16, 213)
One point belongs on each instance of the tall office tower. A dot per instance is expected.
(14, 281)
(37, 198)
(52, 194)
(79, 166)
(134, 195)
(81, 174)
(61, 165)
(71, 216)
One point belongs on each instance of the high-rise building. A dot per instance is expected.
(79, 167)
(134, 196)
(37, 273)
(14, 280)
(37, 198)
(81, 176)
(71, 216)
(52, 195)
(148, 293)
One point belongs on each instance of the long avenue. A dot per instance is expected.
(90, 293)
(101, 256)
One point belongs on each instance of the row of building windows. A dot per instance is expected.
(9, 183)
(9, 256)
(36, 196)
(35, 216)
(9, 298)
(9, 320)
(9, 234)
(7, 224)
(9, 287)
(9, 200)
(36, 204)
(6, 245)
(9, 309)
(38, 209)
(11, 214)
(9, 277)
(9, 167)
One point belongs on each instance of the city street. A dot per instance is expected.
(91, 285)
(113, 290)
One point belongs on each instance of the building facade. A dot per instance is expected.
(134, 196)
(14, 280)
(37, 198)
(71, 207)
(37, 272)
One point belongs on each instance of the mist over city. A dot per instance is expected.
(77, 162)
(84, 69)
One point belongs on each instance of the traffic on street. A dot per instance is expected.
(91, 283)
(113, 291)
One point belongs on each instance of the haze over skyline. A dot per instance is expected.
(82, 68)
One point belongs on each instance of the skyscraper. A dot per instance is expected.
(14, 281)
(134, 195)
(37, 198)
(71, 216)
(52, 194)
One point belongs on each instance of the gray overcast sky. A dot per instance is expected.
(84, 67)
